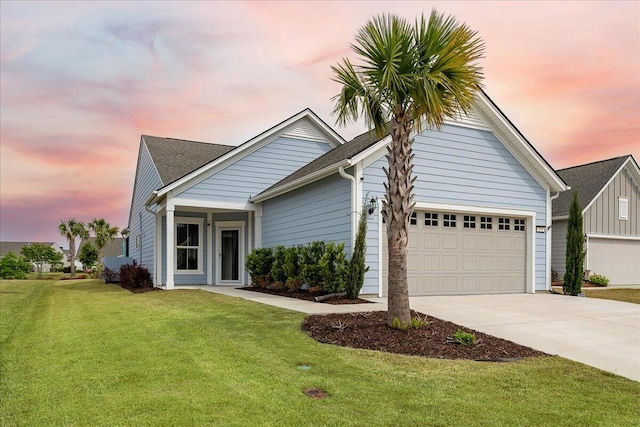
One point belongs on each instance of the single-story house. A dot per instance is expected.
(482, 220)
(117, 248)
(609, 193)
(16, 249)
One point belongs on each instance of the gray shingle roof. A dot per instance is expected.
(175, 158)
(587, 180)
(113, 248)
(342, 152)
(16, 247)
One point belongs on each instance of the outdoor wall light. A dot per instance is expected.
(372, 205)
(540, 229)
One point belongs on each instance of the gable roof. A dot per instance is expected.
(174, 158)
(16, 247)
(236, 153)
(368, 143)
(113, 248)
(588, 180)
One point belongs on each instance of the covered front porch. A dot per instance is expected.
(204, 243)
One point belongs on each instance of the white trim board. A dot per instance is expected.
(230, 225)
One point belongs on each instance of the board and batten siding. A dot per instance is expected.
(141, 222)
(602, 217)
(559, 246)
(318, 211)
(257, 171)
(463, 166)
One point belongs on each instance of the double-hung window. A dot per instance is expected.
(189, 245)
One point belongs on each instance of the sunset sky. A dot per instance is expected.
(81, 81)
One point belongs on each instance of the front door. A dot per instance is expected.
(229, 255)
(229, 251)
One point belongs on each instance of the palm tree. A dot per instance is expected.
(105, 234)
(410, 77)
(70, 229)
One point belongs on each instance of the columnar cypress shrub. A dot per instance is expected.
(575, 250)
(357, 268)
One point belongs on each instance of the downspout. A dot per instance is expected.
(354, 205)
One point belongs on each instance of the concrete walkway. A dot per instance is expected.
(596, 332)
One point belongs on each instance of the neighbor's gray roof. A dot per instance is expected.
(16, 247)
(587, 180)
(175, 158)
(113, 248)
(342, 152)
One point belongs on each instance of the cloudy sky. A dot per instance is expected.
(81, 81)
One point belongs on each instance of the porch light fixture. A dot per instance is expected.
(372, 206)
(540, 229)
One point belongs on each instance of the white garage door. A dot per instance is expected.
(453, 253)
(619, 260)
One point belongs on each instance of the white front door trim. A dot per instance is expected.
(229, 225)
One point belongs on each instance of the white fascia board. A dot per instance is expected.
(335, 139)
(612, 237)
(473, 209)
(524, 152)
(245, 149)
(212, 204)
(627, 162)
(307, 179)
(559, 218)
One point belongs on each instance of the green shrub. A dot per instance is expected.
(310, 271)
(418, 322)
(292, 262)
(357, 268)
(277, 269)
(293, 284)
(574, 259)
(259, 263)
(464, 338)
(13, 267)
(333, 267)
(397, 324)
(599, 280)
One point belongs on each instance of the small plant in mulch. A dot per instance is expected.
(464, 338)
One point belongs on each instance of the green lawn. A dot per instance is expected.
(85, 353)
(625, 295)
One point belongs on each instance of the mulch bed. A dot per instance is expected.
(368, 330)
(141, 290)
(300, 294)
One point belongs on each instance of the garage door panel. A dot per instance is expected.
(472, 260)
(617, 259)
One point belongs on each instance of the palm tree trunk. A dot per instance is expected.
(397, 210)
(72, 257)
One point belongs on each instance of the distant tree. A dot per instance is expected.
(88, 255)
(574, 274)
(72, 229)
(105, 234)
(40, 254)
(13, 267)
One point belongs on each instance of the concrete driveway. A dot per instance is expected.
(596, 332)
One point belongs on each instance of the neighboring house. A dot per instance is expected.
(483, 204)
(66, 259)
(609, 192)
(16, 248)
(114, 249)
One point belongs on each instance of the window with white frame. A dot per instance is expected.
(623, 208)
(469, 221)
(189, 244)
(485, 223)
(449, 220)
(413, 219)
(504, 223)
(431, 219)
(518, 224)
(138, 241)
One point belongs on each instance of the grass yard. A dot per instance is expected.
(625, 295)
(85, 353)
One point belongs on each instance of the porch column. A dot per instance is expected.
(257, 227)
(157, 265)
(171, 229)
(209, 248)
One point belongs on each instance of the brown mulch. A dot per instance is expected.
(141, 290)
(300, 294)
(368, 330)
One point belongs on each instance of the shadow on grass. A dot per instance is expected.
(91, 287)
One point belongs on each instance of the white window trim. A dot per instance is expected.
(230, 225)
(623, 201)
(200, 223)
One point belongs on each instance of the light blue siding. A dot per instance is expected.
(142, 222)
(459, 165)
(257, 171)
(318, 211)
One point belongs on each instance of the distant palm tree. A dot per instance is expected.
(409, 76)
(105, 234)
(70, 229)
